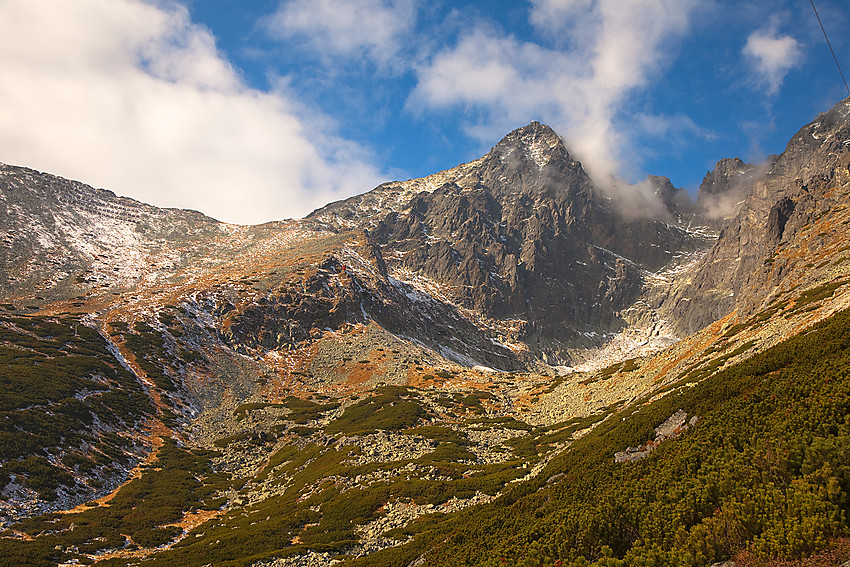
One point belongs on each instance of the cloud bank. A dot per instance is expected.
(140, 95)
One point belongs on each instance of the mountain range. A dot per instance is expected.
(368, 384)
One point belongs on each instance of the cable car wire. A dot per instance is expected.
(830, 46)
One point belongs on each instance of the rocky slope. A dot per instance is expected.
(511, 260)
(61, 238)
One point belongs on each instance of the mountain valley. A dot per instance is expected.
(504, 363)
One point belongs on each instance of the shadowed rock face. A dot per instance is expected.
(522, 239)
(778, 217)
(728, 174)
(525, 234)
(674, 199)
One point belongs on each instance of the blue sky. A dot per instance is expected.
(266, 109)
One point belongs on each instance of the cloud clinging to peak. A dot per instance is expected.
(133, 96)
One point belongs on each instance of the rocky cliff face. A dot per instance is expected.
(784, 234)
(725, 187)
(521, 234)
(516, 257)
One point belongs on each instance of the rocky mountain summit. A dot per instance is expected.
(522, 236)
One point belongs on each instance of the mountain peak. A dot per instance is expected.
(537, 142)
(534, 128)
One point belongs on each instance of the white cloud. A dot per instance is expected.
(616, 47)
(772, 56)
(487, 69)
(564, 19)
(134, 97)
(348, 28)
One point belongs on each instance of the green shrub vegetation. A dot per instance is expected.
(391, 409)
(440, 434)
(142, 510)
(57, 378)
(544, 439)
(225, 441)
(629, 365)
(148, 345)
(766, 469)
(473, 400)
(817, 294)
(304, 411)
(504, 422)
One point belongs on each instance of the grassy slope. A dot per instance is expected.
(141, 514)
(765, 469)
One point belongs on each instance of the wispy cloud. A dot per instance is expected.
(556, 15)
(580, 86)
(135, 97)
(351, 29)
(772, 56)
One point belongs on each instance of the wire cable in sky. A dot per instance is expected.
(830, 46)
